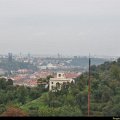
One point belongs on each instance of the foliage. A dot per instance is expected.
(12, 111)
(72, 99)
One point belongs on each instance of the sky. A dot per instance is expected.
(67, 27)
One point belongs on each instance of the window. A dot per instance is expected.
(52, 87)
(59, 75)
(58, 85)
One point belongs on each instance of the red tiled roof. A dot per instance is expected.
(71, 75)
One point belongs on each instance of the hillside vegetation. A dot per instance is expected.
(72, 99)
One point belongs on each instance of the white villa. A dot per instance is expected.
(58, 81)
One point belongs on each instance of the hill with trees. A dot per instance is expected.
(72, 99)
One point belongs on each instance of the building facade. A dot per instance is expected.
(56, 83)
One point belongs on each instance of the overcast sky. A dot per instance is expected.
(68, 27)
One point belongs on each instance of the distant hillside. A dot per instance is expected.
(15, 65)
(83, 61)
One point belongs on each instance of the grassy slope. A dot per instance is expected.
(36, 103)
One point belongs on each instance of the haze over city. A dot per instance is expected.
(69, 27)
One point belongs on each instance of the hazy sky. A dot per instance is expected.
(68, 27)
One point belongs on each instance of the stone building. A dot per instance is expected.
(58, 81)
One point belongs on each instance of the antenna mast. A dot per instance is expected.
(89, 87)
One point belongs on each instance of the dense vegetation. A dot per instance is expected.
(16, 95)
(72, 99)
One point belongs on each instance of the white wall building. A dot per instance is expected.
(51, 66)
(58, 81)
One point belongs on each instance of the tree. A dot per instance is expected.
(48, 77)
(34, 111)
(55, 103)
(115, 72)
(2, 83)
(12, 111)
(68, 110)
(106, 93)
(34, 93)
(2, 108)
(118, 61)
(9, 82)
(70, 100)
(21, 94)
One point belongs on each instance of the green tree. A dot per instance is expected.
(115, 72)
(2, 83)
(21, 94)
(2, 108)
(9, 82)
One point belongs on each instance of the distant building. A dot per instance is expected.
(58, 81)
(2, 72)
(51, 66)
(10, 57)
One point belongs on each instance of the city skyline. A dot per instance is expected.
(68, 27)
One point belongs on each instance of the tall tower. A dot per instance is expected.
(10, 57)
